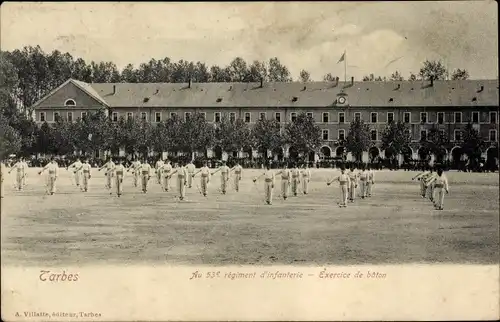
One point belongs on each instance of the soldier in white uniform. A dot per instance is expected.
(53, 170)
(306, 177)
(145, 171)
(77, 173)
(109, 173)
(440, 183)
(344, 182)
(25, 171)
(166, 172)
(181, 179)
(422, 177)
(20, 168)
(190, 167)
(86, 174)
(370, 182)
(119, 175)
(363, 179)
(237, 176)
(158, 168)
(285, 181)
(353, 184)
(224, 176)
(204, 179)
(269, 179)
(135, 167)
(295, 179)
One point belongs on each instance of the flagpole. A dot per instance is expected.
(345, 66)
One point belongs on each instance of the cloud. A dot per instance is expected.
(309, 35)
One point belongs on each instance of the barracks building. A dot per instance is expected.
(448, 105)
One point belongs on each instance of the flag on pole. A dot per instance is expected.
(342, 58)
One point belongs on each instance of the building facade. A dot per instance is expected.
(447, 105)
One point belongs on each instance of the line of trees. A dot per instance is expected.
(29, 74)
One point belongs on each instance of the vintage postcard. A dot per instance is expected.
(249, 161)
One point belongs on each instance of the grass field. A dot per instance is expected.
(394, 226)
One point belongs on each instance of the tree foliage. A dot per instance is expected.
(10, 141)
(266, 135)
(233, 135)
(432, 70)
(358, 139)
(395, 138)
(305, 76)
(460, 74)
(303, 134)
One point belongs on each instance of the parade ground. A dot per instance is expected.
(394, 226)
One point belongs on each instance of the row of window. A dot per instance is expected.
(457, 135)
(293, 116)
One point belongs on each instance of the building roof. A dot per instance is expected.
(312, 94)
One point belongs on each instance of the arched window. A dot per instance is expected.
(70, 102)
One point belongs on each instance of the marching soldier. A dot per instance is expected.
(145, 171)
(344, 182)
(421, 177)
(370, 181)
(237, 171)
(109, 172)
(204, 179)
(269, 178)
(77, 173)
(158, 167)
(25, 171)
(440, 183)
(166, 170)
(295, 179)
(285, 181)
(181, 179)
(363, 179)
(53, 169)
(86, 175)
(190, 167)
(353, 184)
(306, 177)
(224, 176)
(429, 188)
(119, 174)
(20, 173)
(135, 167)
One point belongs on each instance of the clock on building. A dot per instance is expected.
(341, 100)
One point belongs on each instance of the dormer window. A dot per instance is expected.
(70, 102)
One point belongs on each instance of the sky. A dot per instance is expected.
(378, 37)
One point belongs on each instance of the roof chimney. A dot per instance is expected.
(114, 89)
